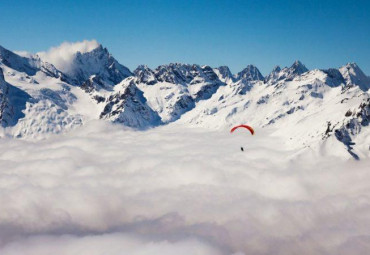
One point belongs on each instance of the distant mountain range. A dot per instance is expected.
(305, 106)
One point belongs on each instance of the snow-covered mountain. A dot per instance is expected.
(307, 107)
(302, 109)
(174, 89)
(250, 73)
(12, 103)
(29, 65)
(354, 76)
(98, 62)
(287, 73)
(128, 106)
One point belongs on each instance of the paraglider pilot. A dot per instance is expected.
(243, 126)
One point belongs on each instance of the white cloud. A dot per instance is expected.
(112, 244)
(24, 54)
(103, 190)
(62, 56)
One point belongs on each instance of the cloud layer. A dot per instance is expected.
(62, 56)
(103, 190)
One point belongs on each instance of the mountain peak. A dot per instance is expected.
(224, 74)
(353, 75)
(17, 62)
(274, 75)
(276, 69)
(352, 65)
(141, 68)
(250, 73)
(129, 107)
(97, 62)
(98, 49)
(224, 68)
(298, 67)
(80, 60)
(288, 74)
(145, 75)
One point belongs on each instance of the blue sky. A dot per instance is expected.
(235, 33)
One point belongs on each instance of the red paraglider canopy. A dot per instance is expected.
(243, 126)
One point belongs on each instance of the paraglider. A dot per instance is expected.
(243, 126)
(251, 130)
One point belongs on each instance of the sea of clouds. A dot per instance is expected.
(104, 189)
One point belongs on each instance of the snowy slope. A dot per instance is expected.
(300, 106)
(12, 102)
(354, 76)
(40, 104)
(97, 62)
(36, 98)
(127, 105)
(174, 89)
(29, 65)
(304, 107)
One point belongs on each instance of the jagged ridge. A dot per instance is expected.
(189, 94)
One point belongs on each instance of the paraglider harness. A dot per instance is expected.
(243, 126)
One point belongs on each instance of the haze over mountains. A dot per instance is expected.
(305, 106)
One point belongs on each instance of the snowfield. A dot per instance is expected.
(106, 189)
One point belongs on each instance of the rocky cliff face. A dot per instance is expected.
(12, 103)
(128, 106)
(97, 62)
(5, 115)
